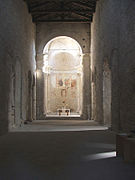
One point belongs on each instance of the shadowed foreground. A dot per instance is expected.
(62, 156)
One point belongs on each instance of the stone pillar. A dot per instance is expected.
(40, 88)
(116, 124)
(86, 87)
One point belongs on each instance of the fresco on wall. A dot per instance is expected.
(73, 83)
(64, 90)
(66, 82)
(60, 82)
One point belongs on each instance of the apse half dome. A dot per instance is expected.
(62, 54)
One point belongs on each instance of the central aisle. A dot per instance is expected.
(61, 156)
(59, 126)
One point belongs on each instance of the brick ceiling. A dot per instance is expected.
(61, 10)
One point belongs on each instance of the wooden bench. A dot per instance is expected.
(120, 138)
(125, 147)
(129, 149)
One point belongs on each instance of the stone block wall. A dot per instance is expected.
(113, 34)
(17, 58)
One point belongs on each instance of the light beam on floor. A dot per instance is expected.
(100, 156)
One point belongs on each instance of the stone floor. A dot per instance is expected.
(59, 126)
(84, 155)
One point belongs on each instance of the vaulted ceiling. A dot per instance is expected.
(61, 10)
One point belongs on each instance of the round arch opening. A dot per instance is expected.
(63, 74)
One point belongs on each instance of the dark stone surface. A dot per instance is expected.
(17, 39)
(113, 34)
(61, 155)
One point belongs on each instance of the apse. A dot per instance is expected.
(63, 78)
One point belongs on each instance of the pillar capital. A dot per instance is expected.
(39, 57)
(86, 55)
(40, 61)
(40, 64)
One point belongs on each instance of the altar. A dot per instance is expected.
(63, 112)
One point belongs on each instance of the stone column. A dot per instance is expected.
(86, 87)
(40, 88)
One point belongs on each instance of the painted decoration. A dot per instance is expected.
(73, 83)
(60, 82)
